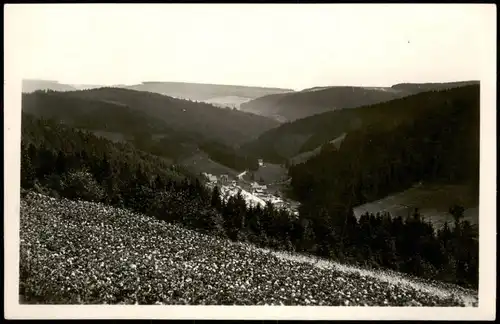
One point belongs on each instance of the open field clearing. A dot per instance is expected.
(201, 162)
(81, 252)
(304, 156)
(433, 202)
(268, 173)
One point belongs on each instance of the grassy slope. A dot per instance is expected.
(269, 173)
(304, 156)
(201, 162)
(80, 252)
(432, 200)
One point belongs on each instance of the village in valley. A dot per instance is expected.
(253, 192)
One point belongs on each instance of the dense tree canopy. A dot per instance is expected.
(437, 145)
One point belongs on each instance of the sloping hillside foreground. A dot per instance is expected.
(82, 252)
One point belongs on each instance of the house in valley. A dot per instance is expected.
(258, 188)
(210, 177)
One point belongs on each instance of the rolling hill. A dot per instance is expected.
(88, 113)
(309, 134)
(308, 102)
(31, 85)
(161, 125)
(224, 125)
(221, 95)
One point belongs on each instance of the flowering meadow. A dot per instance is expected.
(77, 252)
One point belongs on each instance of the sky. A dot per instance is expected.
(292, 46)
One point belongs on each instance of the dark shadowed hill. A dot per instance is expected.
(296, 105)
(224, 125)
(308, 134)
(432, 137)
(160, 125)
(417, 87)
(220, 95)
(32, 85)
(88, 113)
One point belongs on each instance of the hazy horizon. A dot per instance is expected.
(292, 46)
(241, 85)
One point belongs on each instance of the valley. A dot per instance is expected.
(320, 186)
(205, 92)
(222, 96)
(232, 102)
(252, 192)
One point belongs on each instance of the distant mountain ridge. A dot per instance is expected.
(224, 96)
(31, 85)
(301, 104)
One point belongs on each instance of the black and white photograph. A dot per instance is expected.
(291, 161)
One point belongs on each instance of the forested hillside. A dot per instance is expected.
(91, 114)
(308, 102)
(430, 137)
(225, 125)
(131, 118)
(290, 139)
